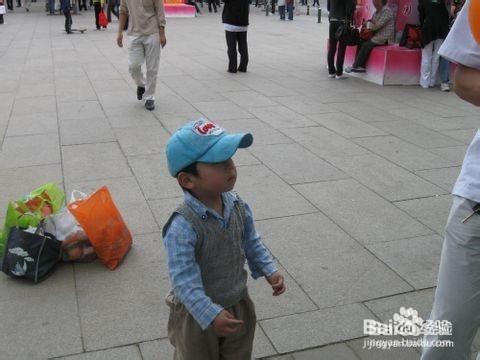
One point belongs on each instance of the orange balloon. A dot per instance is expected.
(474, 19)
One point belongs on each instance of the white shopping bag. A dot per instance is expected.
(3, 10)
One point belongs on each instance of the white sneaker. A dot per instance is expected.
(341, 77)
(331, 76)
(445, 86)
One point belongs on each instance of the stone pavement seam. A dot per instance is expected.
(139, 350)
(350, 235)
(78, 308)
(364, 302)
(268, 339)
(103, 349)
(292, 353)
(64, 189)
(91, 143)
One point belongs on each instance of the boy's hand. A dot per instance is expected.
(277, 282)
(225, 324)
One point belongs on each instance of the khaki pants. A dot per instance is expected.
(145, 49)
(457, 298)
(193, 343)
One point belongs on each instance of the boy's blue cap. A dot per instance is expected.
(202, 141)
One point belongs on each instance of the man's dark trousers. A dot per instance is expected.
(363, 52)
(232, 39)
(332, 49)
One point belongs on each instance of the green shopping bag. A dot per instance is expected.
(30, 209)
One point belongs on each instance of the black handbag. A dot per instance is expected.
(348, 34)
(29, 255)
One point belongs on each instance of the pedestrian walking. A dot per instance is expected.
(434, 20)
(2, 3)
(51, 7)
(194, 4)
(290, 7)
(457, 297)
(65, 7)
(112, 8)
(27, 4)
(146, 30)
(210, 3)
(98, 6)
(281, 9)
(208, 240)
(339, 13)
(235, 22)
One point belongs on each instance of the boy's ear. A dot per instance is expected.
(185, 180)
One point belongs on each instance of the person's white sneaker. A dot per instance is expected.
(341, 77)
(445, 86)
(331, 76)
(348, 69)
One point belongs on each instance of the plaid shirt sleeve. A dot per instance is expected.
(184, 272)
(258, 257)
(382, 19)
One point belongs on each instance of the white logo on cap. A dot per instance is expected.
(205, 128)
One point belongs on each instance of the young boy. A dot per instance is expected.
(208, 238)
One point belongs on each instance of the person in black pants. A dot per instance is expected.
(194, 3)
(339, 12)
(1, 15)
(82, 5)
(235, 21)
(112, 8)
(210, 3)
(10, 4)
(65, 7)
(234, 38)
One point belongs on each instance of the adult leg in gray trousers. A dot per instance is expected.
(457, 298)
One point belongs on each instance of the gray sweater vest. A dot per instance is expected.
(220, 254)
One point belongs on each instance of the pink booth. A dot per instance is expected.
(178, 8)
(390, 64)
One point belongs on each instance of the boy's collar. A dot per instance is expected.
(228, 199)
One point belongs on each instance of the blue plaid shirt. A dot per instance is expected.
(185, 276)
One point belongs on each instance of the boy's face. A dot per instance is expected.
(213, 179)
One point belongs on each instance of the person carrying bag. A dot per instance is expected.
(341, 34)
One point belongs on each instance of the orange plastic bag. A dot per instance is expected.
(104, 226)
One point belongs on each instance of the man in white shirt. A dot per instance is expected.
(146, 30)
(457, 298)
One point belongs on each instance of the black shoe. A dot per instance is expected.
(150, 105)
(232, 71)
(140, 92)
(241, 69)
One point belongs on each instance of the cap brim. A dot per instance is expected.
(226, 147)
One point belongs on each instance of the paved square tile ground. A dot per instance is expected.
(349, 182)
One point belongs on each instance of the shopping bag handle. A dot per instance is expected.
(77, 195)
